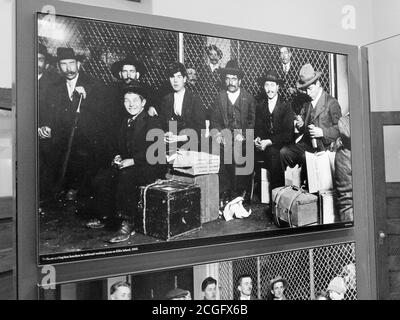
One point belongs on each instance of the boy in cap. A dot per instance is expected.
(117, 188)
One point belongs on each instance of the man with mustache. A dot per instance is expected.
(233, 111)
(79, 96)
(274, 127)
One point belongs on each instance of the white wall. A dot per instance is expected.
(5, 40)
(306, 18)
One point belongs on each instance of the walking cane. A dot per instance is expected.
(69, 146)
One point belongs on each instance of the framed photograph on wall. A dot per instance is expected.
(290, 275)
(153, 139)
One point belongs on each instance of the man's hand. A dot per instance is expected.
(44, 132)
(152, 112)
(126, 163)
(219, 138)
(82, 91)
(299, 122)
(265, 143)
(169, 137)
(292, 91)
(315, 132)
(239, 137)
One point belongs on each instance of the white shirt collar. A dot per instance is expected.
(243, 297)
(214, 66)
(233, 96)
(286, 67)
(314, 102)
(40, 76)
(178, 102)
(272, 103)
(71, 84)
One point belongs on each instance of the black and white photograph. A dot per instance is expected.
(159, 150)
(322, 273)
(149, 136)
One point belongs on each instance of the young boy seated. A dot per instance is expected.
(117, 188)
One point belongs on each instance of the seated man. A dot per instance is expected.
(117, 188)
(274, 127)
(317, 122)
(120, 290)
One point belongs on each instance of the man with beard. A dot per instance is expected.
(78, 129)
(233, 112)
(274, 127)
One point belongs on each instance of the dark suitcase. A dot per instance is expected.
(169, 209)
(295, 206)
(209, 186)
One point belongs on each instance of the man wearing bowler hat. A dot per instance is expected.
(78, 127)
(274, 127)
(317, 122)
(234, 112)
(278, 286)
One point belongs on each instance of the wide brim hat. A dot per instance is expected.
(232, 68)
(271, 75)
(176, 293)
(64, 53)
(278, 279)
(137, 88)
(116, 67)
(307, 76)
(42, 49)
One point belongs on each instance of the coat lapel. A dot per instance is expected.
(242, 99)
(321, 105)
(224, 106)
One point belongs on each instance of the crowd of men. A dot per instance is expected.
(336, 290)
(93, 137)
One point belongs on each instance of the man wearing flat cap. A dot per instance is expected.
(274, 127)
(178, 294)
(233, 112)
(77, 102)
(317, 122)
(277, 287)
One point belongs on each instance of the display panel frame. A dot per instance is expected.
(26, 151)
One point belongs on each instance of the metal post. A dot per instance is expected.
(258, 278)
(181, 55)
(312, 289)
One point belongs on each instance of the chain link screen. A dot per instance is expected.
(254, 59)
(307, 272)
(103, 43)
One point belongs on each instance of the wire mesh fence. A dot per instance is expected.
(103, 43)
(307, 272)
